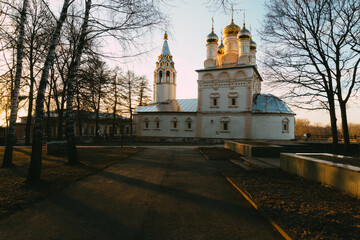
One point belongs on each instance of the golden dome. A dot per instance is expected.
(231, 29)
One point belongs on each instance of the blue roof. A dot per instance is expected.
(176, 105)
(268, 103)
(165, 49)
(165, 58)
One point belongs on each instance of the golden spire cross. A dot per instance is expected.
(212, 28)
(232, 13)
(244, 19)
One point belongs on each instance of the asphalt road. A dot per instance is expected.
(159, 193)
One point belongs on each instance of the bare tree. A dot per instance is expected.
(36, 153)
(309, 51)
(10, 140)
(70, 135)
(36, 38)
(143, 91)
(129, 84)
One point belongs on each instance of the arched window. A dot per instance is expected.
(208, 76)
(157, 123)
(160, 76)
(225, 124)
(285, 125)
(188, 124)
(146, 123)
(174, 80)
(224, 75)
(174, 124)
(167, 76)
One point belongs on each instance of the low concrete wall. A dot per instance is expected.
(340, 176)
(249, 150)
(56, 147)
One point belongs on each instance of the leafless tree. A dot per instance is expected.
(36, 153)
(38, 25)
(10, 140)
(309, 50)
(143, 90)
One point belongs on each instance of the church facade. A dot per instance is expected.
(230, 104)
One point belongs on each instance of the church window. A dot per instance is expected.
(160, 76)
(167, 76)
(157, 123)
(214, 100)
(174, 124)
(285, 125)
(146, 123)
(174, 78)
(233, 99)
(225, 124)
(188, 124)
(167, 64)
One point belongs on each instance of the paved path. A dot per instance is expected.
(159, 193)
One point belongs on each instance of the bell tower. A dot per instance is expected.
(165, 75)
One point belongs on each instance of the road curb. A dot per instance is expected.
(202, 153)
(249, 199)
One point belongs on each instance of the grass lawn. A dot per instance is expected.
(15, 194)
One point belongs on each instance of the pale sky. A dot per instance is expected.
(190, 24)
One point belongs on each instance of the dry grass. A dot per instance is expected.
(304, 209)
(16, 194)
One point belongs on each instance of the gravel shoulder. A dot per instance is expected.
(303, 208)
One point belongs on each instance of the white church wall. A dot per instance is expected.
(266, 126)
(211, 126)
(166, 127)
(223, 99)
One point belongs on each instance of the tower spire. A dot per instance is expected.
(244, 20)
(165, 36)
(212, 28)
(232, 13)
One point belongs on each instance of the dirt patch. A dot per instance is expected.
(303, 208)
(218, 153)
(15, 194)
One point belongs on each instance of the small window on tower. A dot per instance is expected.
(215, 101)
(167, 76)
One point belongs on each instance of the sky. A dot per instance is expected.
(188, 27)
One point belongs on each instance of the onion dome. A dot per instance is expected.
(221, 48)
(244, 33)
(212, 37)
(231, 29)
(252, 45)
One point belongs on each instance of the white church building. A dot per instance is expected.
(230, 104)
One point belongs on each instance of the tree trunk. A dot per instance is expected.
(29, 115)
(70, 135)
(31, 95)
(11, 139)
(333, 120)
(36, 153)
(344, 124)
